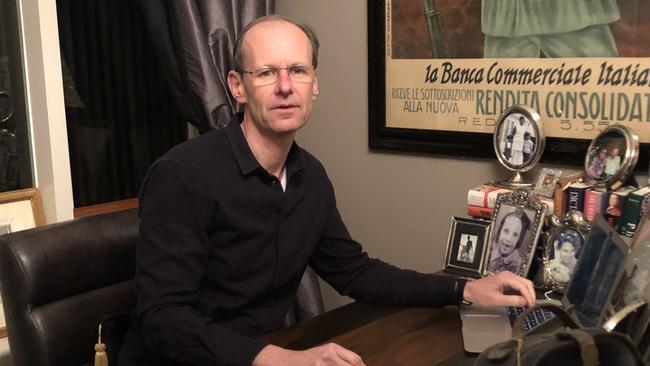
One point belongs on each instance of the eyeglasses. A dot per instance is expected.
(270, 74)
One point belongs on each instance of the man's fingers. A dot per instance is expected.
(349, 356)
(511, 300)
(523, 286)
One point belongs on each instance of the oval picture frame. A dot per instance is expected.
(562, 249)
(518, 138)
(611, 157)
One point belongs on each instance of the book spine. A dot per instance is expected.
(482, 197)
(595, 202)
(479, 212)
(575, 198)
(630, 217)
(591, 204)
(559, 199)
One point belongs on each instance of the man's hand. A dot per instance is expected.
(330, 354)
(503, 288)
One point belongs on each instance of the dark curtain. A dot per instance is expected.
(120, 117)
(194, 40)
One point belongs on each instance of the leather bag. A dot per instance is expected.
(569, 345)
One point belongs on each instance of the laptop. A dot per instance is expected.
(587, 296)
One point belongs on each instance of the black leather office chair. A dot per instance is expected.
(59, 282)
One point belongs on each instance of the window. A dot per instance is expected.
(120, 116)
(15, 156)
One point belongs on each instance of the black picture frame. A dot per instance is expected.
(462, 232)
(440, 142)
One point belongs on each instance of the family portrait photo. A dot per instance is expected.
(517, 139)
(604, 160)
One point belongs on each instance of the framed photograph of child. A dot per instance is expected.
(466, 246)
(562, 248)
(516, 225)
(611, 157)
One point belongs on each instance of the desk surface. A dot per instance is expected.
(385, 335)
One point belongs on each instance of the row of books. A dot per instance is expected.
(622, 208)
(482, 199)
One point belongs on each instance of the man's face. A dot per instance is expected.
(284, 106)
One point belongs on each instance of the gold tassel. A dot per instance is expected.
(101, 358)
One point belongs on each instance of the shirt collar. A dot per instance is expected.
(244, 156)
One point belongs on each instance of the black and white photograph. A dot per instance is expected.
(516, 225)
(545, 184)
(566, 244)
(466, 246)
(517, 139)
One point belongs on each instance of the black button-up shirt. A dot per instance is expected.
(222, 249)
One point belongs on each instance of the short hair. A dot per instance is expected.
(238, 52)
(525, 224)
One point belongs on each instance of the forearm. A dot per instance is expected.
(182, 334)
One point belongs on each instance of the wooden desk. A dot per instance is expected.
(385, 335)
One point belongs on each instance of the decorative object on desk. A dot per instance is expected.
(518, 142)
(611, 157)
(636, 279)
(20, 210)
(466, 246)
(562, 249)
(546, 181)
(516, 225)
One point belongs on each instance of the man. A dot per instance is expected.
(231, 219)
(518, 140)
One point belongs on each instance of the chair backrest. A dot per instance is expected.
(59, 281)
(309, 300)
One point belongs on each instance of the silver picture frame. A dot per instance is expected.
(466, 246)
(518, 142)
(562, 248)
(515, 229)
(611, 157)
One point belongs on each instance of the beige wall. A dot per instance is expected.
(399, 206)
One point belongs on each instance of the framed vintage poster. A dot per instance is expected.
(442, 71)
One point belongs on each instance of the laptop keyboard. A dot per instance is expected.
(533, 320)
